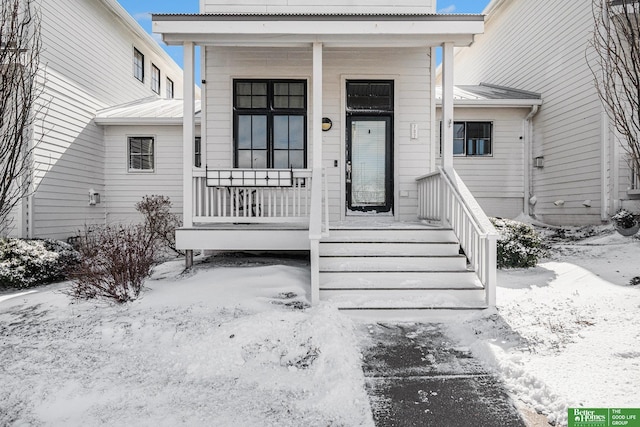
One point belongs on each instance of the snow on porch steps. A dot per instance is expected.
(403, 267)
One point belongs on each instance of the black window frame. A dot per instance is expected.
(131, 155)
(156, 77)
(197, 152)
(170, 88)
(270, 111)
(138, 65)
(466, 141)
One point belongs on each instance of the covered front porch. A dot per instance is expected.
(229, 206)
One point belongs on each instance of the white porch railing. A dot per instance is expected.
(246, 204)
(443, 196)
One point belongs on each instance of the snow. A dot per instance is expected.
(220, 346)
(565, 333)
(234, 343)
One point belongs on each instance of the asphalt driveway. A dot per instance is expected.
(415, 376)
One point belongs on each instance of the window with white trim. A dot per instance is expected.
(169, 88)
(141, 153)
(138, 65)
(471, 138)
(155, 79)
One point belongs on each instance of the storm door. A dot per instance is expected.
(369, 155)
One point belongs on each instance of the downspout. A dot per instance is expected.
(528, 153)
(605, 159)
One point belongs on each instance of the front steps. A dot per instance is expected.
(400, 267)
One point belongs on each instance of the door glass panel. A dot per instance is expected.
(368, 163)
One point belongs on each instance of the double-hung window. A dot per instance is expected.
(138, 65)
(197, 152)
(270, 118)
(141, 153)
(169, 88)
(471, 138)
(155, 79)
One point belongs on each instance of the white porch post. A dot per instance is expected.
(317, 105)
(188, 132)
(447, 105)
(315, 220)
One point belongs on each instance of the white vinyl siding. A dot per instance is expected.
(122, 189)
(316, 6)
(496, 181)
(515, 51)
(82, 40)
(409, 68)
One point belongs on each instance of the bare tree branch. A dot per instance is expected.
(616, 69)
(20, 90)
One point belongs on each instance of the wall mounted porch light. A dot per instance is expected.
(326, 124)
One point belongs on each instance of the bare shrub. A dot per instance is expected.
(160, 222)
(115, 261)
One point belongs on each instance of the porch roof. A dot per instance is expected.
(488, 95)
(338, 29)
(148, 111)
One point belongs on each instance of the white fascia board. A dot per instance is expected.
(493, 103)
(175, 30)
(333, 40)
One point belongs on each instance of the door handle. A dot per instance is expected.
(348, 171)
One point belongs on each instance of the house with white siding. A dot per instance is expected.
(577, 170)
(318, 131)
(95, 56)
(492, 131)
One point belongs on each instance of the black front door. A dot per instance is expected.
(369, 146)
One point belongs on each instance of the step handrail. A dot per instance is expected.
(457, 208)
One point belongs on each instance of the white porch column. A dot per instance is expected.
(188, 133)
(317, 105)
(447, 105)
(315, 218)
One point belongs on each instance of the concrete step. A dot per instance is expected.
(405, 234)
(380, 299)
(388, 248)
(400, 279)
(387, 263)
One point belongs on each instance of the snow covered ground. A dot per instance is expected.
(232, 344)
(566, 333)
(226, 346)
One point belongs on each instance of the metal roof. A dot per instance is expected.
(152, 111)
(316, 16)
(487, 94)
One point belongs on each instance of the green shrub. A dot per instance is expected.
(26, 263)
(519, 245)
